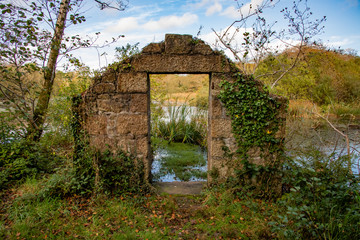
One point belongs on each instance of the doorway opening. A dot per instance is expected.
(179, 126)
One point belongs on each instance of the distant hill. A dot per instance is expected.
(322, 76)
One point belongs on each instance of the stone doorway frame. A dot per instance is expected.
(208, 120)
(116, 108)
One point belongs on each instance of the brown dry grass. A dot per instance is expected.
(183, 87)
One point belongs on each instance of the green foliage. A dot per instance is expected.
(121, 173)
(254, 116)
(97, 172)
(323, 201)
(322, 76)
(60, 113)
(124, 53)
(346, 111)
(20, 159)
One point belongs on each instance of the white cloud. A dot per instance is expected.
(243, 11)
(211, 6)
(202, 3)
(124, 25)
(217, 7)
(235, 36)
(231, 12)
(133, 24)
(250, 7)
(337, 41)
(171, 22)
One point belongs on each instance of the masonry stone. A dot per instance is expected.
(154, 48)
(116, 108)
(132, 123)
(180, 63)
(133, 82)
(220, 128)
(139, 103)
(104, 88)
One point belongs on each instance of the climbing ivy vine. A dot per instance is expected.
(255, 122)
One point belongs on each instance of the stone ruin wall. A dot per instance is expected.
(117, 106)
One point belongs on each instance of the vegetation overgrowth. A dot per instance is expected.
(45, 194)
(182, 124)
(327, 78)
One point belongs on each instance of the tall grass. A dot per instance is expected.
(181, 124)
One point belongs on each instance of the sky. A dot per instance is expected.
(146, 21)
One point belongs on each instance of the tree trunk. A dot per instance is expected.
(36, 128)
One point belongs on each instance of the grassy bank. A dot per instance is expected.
(212, 215)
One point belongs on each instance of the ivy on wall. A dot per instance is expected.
(255, 122)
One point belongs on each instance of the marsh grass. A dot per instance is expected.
(181, 124)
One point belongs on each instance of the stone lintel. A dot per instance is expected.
(180, 64)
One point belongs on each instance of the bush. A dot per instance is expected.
(20, 159)
(120, 173)
(323, 201)
(95, 172)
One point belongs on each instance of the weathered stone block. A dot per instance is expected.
(154, 48)
(90, 107)
(222, 147)
(116, 104)
(132, 83)
(142, 146)
(217, 148)
(102, 142)
(139, 103)
(202, 48)
(178, 44)
(132, 123)
(103, 96)
(96, 124)
(220, 128)
(217, 108)
(180, 63)
(222, 167)
(104, 88)
(109, 76)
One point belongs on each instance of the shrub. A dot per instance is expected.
(121, 173)
(20, 159)
(95, 172)
(323, 201)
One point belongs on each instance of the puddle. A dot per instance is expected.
(179, 162)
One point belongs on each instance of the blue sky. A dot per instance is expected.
(147, 21)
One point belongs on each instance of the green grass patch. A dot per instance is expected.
(212, 216)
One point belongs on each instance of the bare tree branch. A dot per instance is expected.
(251, 39)
(119, 5)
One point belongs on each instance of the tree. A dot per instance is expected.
(259, 40)
(27, 50)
